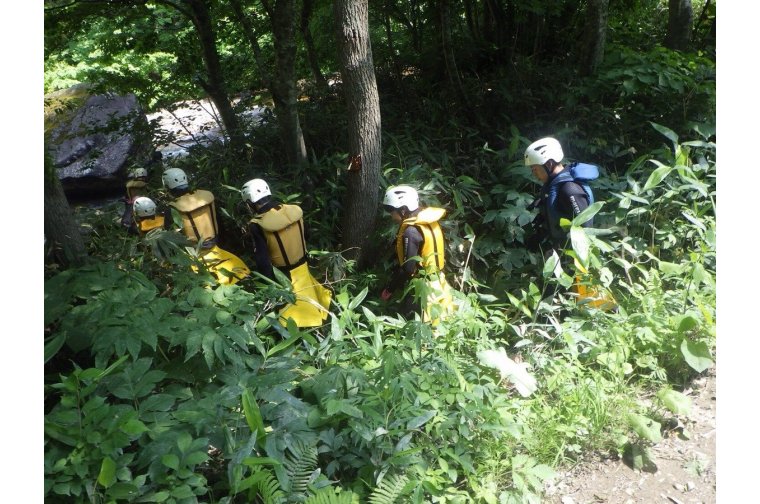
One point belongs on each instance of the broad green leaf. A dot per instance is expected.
(134, 427)
(224, 317)
(155, 497)
(283, 345)
(184, 440)
(656, 177)
(122, 490)
(52, 346)
(170, 460)
(421, 420)
(195, 458)
(686, 322)
(670, 268)
(356, 301)
(253, 417)
(183, 492)
(697, 355)
(668, 133)
(581, 245)
(645, 427)
(675, 401)
(107, 476)
(588, 213)
(552, 266)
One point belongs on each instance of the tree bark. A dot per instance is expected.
(284, 91)
(592, 52)
(311, 52)
(61, 229)
(250, 34)
(216, 88)
(364, 131)
(446, 48)
(680, 21)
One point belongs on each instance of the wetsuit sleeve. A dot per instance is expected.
(412, 244)
(260, 251)
(573, 200)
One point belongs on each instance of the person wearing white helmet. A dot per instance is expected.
(565, 192)
(145, 215)
(195, 212)
(137, 185)
(278, 235)
(419, 236)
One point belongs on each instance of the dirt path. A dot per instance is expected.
(685, 467)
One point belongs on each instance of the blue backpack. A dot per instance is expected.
(581, 174)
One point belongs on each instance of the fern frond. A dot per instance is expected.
(300, 463)
(329, 495)
(267, 488)
(390, 489)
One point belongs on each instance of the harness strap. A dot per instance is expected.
(282, 248)
(195, 228)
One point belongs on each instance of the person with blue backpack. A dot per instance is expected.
(565, 192)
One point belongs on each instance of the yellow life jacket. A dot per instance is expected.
(432, 252)
(136, 188)
(150, 223)
(591, 295)
(439, 302)
(198, 215)
(283, 230)
(312, 299)
(226, 267)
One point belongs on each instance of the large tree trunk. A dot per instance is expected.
(680, 20)
(215, 87)
(61, 229)
(364, 133)
(592, 52)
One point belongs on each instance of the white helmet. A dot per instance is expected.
(254, 190)
(541, 151)
(174, 178)
(403, 195)
(137, 173)
(144, 207)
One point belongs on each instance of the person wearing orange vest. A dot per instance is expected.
(279, 242)
(419, 236)
(196, 212)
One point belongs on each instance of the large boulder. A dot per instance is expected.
(94, 139)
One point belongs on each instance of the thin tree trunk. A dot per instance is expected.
(250, 34)
(470, 15)
(215, 87)
(61, 229)
(284, 90)
(311, 52)
(592, 52)
(364, 131)
(680, 21)
(398, 75)
(447, 49)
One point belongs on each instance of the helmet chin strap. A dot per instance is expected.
(549, 167)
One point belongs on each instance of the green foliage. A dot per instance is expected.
(163, 387)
